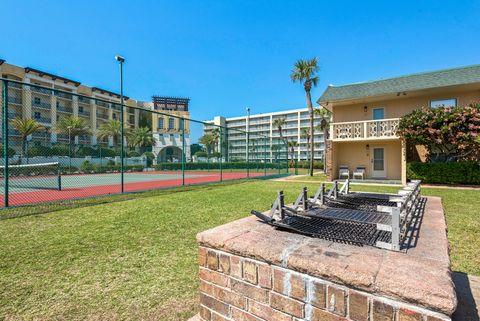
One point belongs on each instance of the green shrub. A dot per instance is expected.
(60, 150)
(87, 167)
(87, 151)
(39, 151)
(11, 151)
(306, 164)
(108, 152)
(201, 154)
(216, 166)
(133, 153)
(150, 156)
(111, 162)
(466, 172)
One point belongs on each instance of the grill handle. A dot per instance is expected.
(263, 217)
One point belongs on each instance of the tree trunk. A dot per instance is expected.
(310, 114)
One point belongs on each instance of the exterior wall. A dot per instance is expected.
(355, 154)
(397, 107)
(233, 287)
(95, 113)
(261, 125)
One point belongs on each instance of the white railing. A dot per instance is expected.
(370, 129)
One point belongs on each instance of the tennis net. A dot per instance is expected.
(32, 176)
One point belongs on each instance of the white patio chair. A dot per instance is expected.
(343, 172)
(359, 172)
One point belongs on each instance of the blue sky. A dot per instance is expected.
(226, 55)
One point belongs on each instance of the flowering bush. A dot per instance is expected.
(451, 131)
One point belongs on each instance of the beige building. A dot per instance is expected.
(31, 98)
(366, 115)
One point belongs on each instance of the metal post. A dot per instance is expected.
(221, 154)
(5, 142)
(182, 126)
(70, 149)
(265, 157)
(248, 139)
(121, 60)
(286, 153)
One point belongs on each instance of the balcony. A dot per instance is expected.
(40, 104)
(43, 120)
(64, 109)
(84, 113)
(42, 91)
(365, 130)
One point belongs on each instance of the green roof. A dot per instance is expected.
(425, 80)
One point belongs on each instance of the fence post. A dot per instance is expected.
(265, 156)
(286, 154)
(248, 153)
(5, 143)
(182, 126)
(221, 154)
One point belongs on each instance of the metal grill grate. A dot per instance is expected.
(359, 202)
(380, 220)
(333, 230)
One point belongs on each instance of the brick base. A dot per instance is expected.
(233, 287)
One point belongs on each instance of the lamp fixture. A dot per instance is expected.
(365, 108)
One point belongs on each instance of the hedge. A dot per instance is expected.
(225, 165)
(306, 164)
(465, 172)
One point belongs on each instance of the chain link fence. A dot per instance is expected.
(59, 145)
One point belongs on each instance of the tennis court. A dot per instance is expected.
(47, 184)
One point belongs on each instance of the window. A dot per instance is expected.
(80, 109)
(160, 123)
(37, 115)
(114, 116)
(171, 123)
(452, 102)
(36, 100)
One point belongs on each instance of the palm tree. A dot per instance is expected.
(72, 126)
(325, 116)
(291, 145)
(305, 133)
(26, 127)
(208, 140)
(111, 128)
(216, 138)
(141, 137)
(304, 71)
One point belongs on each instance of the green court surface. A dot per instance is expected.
(31, 184)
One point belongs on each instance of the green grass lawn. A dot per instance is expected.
(136, 258)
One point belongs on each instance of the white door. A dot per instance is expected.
(378, 163)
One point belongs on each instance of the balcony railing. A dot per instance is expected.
(361, 130)
(43, 120)
(40, 105)
(64, 109)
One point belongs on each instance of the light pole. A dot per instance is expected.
(248, 138)
(121, 60)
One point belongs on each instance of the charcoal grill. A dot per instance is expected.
(374, 219)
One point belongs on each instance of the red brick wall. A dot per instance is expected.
(242, 289)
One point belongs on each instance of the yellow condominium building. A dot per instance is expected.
(29, 96)
(363, 134)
